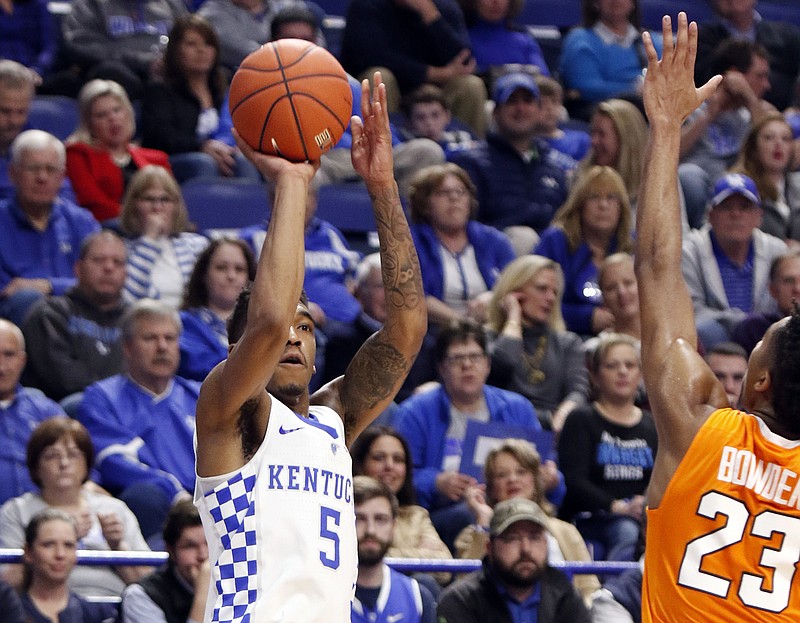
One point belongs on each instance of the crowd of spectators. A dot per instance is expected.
(520, 179)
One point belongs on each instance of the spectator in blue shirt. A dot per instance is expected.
(16, 93)
(497, 40)
(219, 275)
(21, 410)
(517, 184)
(435, 424)
(28, 34)
(40, 234)
(142, 422)
(594, 223)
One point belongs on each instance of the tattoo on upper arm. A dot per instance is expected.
(372, 376)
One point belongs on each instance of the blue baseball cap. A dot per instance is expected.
(735, 184)
(507, 84)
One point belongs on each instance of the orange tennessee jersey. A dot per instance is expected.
(724, 545)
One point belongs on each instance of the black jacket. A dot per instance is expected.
(475, 599)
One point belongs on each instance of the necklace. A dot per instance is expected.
(533, 362)
(121, 161)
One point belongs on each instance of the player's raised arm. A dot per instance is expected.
(679, 384)
(274, 296)
(382, 364)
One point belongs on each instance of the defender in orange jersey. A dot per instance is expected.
(723, 537)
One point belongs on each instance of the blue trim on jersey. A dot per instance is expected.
(313, 421)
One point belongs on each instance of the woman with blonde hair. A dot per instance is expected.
(618, 132)
(532, 352)
(514, 469)
(161, 253)
(618, 286)
(594, 222)
(101, 159)
(607, 450)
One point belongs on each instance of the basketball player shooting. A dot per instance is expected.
(723, 531)
(274, 483)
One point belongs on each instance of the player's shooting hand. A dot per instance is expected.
(273, 167)
(669, 91)
(371, 152)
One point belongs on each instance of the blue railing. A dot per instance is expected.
(94, 557)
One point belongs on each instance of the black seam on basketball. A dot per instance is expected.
(284, 83)
(305, 53)
(252, 94)
(325, 107)
(291, 103)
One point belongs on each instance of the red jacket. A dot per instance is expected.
(98, 182)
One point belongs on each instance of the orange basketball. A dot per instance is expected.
(291, 98)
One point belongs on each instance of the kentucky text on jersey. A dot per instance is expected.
(313, 479)
(768, 481)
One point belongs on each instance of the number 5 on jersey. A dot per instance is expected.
(328, 520)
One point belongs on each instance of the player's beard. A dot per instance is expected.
(288, 393)
(371, 556)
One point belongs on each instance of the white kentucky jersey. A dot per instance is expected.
(281, 530)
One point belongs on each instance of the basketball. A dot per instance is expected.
(291, 98)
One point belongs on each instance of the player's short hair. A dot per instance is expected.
(237, 321)
(785, 371)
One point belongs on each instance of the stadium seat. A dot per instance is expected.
(55, 114)
(348, 207)
(215, 203)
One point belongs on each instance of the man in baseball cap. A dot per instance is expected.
(517, 180)
(516, 583)
(733, 184)
(506, 85)
(726, 263)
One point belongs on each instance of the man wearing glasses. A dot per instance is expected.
(434, 423)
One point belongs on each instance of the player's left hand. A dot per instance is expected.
(371, 152)
(669, 91)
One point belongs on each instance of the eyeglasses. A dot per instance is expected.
(153, 200)
(461, 359)
(54, 455)
(450, 193)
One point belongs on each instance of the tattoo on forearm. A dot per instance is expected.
(399, 262)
